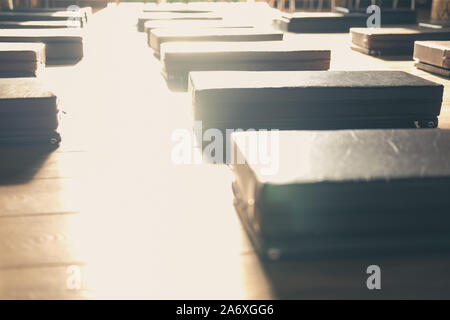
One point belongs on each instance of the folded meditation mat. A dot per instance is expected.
(316, 193)
(40, 24)
(21, 59)
(178, 7)
(189, 24)
(342, 21)
(433, 56)
(42, 16)
(180, 58)
(205, 7)
(389, 16)
(395, 40)
(312, 22)
(159, 36)
(61, 45)
(29, 112)
(85, 11)
(311, 100)
(144, 17)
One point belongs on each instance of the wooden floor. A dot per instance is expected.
(110, 204)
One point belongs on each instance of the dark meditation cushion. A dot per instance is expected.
(324, 192)
(29, 112)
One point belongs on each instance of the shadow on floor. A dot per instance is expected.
(20, 163)
(421, 276)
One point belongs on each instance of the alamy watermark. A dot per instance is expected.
(374, 280)
(74, 21)
(73, 281)
(374, 20)
(259, 147)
